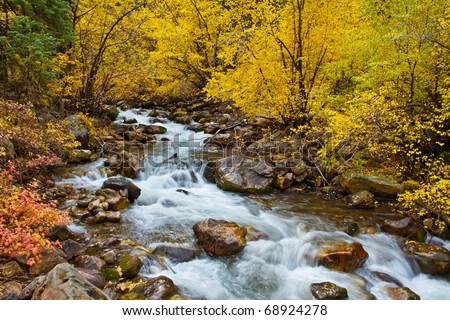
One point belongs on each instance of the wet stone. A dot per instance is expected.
(343, 257)
(328, 291)
(402, 293)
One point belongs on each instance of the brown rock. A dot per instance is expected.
(328, 291)
(344, 257)
(361, 200)
(89, 262)
(93, 276)
(50, 258)
(406, 227)
(10, 270)
(160, 288)
(219, 237)
(402, 293)
(432, 259)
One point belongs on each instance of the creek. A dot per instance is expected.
(175, 195)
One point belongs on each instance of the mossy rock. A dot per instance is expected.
(130, 266)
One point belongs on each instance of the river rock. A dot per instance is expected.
(109, 257)
(406, 227)
(241, 174)
(10, 270)
(64, 282)
(353, 181)
(432, 259)
(76, 127)
(93, 276)
(29, 290)
(121, 183)
(63, 232)
(72, 248)
(177, 254)
(402, 293)
(79, 156)
(50, 258)
(89, 262)
(343, 257)
(115, 201)
(111, 111)
(130, 121)
(222, 139)
(328, 291)
(106, 216)
(160, 288)
(7, 149)
(219, 237)
(130, 266)
(361, 200)
(154, 129)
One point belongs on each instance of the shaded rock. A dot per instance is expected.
(387, 278)
(72, 248)
(353, 181)
(7, 149)
(93, 276)
(222, 139)
(406, 227)
(112, 112)
(130, 121)
(76, 127)
(361, 200)
(106, 216)
(153, 113)
(240, 174)
(432, 259)
(64, 282)
(159, 288)
(130, 266)
(28, 291)
(177, 254)
(154, 129)
(80, 155)
(196, 127)
(121, 183)
(254, 235)
(63, 232)
(10, 270)
(11, 290)
(89, 262)
(115, 201)
(402, 293)
(219, 237)
(111, 274)
(345, 257)
(328, 291)
(352, 229)
(97, 204)
(50, 258)
(285, 182)
(210, 172)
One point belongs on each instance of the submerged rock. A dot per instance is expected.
(219, 237)
(64, 282)
(361, 200)
(353, 181)
(242, 174)
(177, 254)
(121, 183)
(432, 259)
(328, 291)
(343, 257)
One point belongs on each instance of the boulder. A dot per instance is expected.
(241, 174)
(72, 248)
(130, 266)
(93, 276)
(7, 150)
(130, 121)
(361, 200)
(406, 227)
(50, 258)
(112, 112)
(63, 232)
(64, 282)
(121, 183)
(345, 257)
(328, 291)
(76, 127)
(89, 262)
(10, 270)
(432, 259)
(176, 254)
(79, 156)
(159, 288)
(353, 181)
(402, 293)
(219, 237)
(154, 129)
(109, 257)
(29, 290)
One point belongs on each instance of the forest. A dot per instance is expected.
(362, 84)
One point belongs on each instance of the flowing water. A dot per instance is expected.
(282, 265)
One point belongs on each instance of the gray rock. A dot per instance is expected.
(241, 174)
(64, 282)
(89, 262)
(121, 183)
(29, 290)
(72, 248)
(93, 276)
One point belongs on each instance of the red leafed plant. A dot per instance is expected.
(25, 220)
